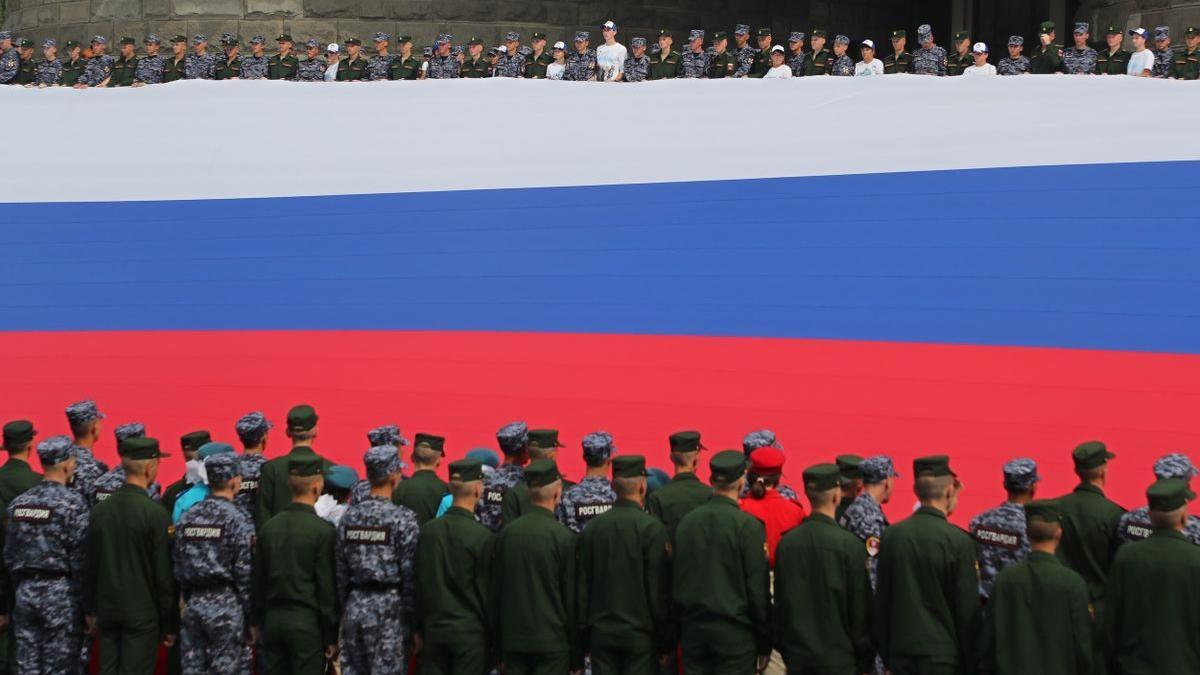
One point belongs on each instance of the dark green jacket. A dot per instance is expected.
(274, 495)
(475, 69)
(956, 63)
(1046, 60)
(843, 504)
(172, 493)
(722, 65)
(128, 574)
(405, 69)
(172, 69)
(671, 502)
(1038, 601)
(1089, 539)
(294, 569)
(761, 64)
(350, 71)
(1186, 64)
(532, 606)
(665, 66)
(722, 583)
(822, 598)
(422, 493)
(26, 72)
(15, 478)
(897, 63)
(72, 71)
(536, 68)
(284, 68)
(1112, 64)
(625, 579)
(454, 558)
(226, 69)
(927, 594)
(817, 63)
(1152, 621)
(516, 501)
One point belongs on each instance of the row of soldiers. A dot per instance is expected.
(515, 565)
(805, 54)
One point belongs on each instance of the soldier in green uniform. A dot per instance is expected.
(284, 65)
(532, 606)
(354, 66)
(962, 58)
(673, 501)
(16, 476)
(1153, 593)
(899, 61)
(666, 63)
(543, 444)
(1114, 60)
(722, 63)
(73, 65)
(230, 65)
(1047, 58)
(454, 557)
(1186, 64)
(1089, 539)
(1038, 601)
(189, 445)
(423, 492)
(130, 596)
(851, 481)
(535, 65)
(295, 594)
(817, 61)
(475, 65)
(762, 59)
(822, 591)
(404, 65)
(173, 64)
(723, 591)
(26, 72)
(125, 65)
(625, 579)
(927, 597)
(274, 495)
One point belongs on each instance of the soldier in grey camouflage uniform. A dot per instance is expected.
(10, 58)
(637, 64)
(512, 62)
(378, 65)
(150, 67)
(581, 62)
(113, 480)
(592, 496)
(999, 533)
(1164, 54)
(45, 550)
(84, 419)
(388, 434)
(765, 438)
(1080, 59)
(376, 573)
(444, 64)
(843, 63)
(251, 429)
(742, 50)
(199, 65)
(1135, 525)
(312, 69)
(99, 68)
(513, 440)
(695, 59)
(1015, 63)
(795, 56)
(864, 518)
(930, 59)
(211, 557)
(48, 71)
(254, 67)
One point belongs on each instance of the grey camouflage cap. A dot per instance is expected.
(598, 445)
(762, 438)
(797, 36)
(841, 40)
(49, 42)
(583, 35)
(1016, 41)
(388, 434)
(381, 461)
(445, 37)
(222, 467)
(5, 35)
(513, 436)
(511, 36)
(1020, 473)
(130, 430)
(82, 412)
(312, 43)
(99, 40)
(258, 40)
(382, 37)
(152, 39)
(1175, 465)
(198, 38)
(877, 469)
(638, 42)
(55, 450)
(924, 32)
(1162, 32)
(252, 427)
(696, 34)
(741, 29)
(1082, 28)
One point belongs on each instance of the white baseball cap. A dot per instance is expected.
(778, 48)
(980, 48)
(560, 45)
(1141, 32)
(609, 25)
(869, 43)
(502, 49)
(333, 47)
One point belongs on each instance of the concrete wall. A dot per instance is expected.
(1177, 14)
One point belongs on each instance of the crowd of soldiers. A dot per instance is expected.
(804, 55)
(287, 565)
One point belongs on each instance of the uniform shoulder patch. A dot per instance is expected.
(872, 546)
(32, 513)
(203, 532)
(368, 535)
(994, 536)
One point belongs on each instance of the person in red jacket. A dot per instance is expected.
(778, 513)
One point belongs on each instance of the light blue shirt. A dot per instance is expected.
(190, 497)
(444, 506)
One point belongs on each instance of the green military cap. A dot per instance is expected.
(179, 38)
(897, 34)
(70, 44)
(1091, 455)
(728, 465)
(686, 441)
(24, 42)
(763, 32)
(961, 35)
(430, 441)
(1113, 30)
(1191, 30)
(541, 472)
(822, 477)
(817, 32)
(538, 36)
(1045, 510)
(664, 32)
(629, 466)
(850, 466)
(284, 37)
(1168, 494)
(1047, 26)
(720, 35)
(932, 465)
(544, 438)
(401, 39)
(466, 470)
(140, 448)
(301, 418)
(128, 41)
(304, 467)
(475, 41)
(18, 432)
(192, 441)
(353, 41)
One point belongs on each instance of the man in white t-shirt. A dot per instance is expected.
(869, 64)
(981, 67)
(1141, 63)
(779, 68)
(610, 56)
(332, 56)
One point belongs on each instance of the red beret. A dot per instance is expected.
(767, 461)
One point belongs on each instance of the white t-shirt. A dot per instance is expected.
(611, 60)
(554, 71)
(1139, 61)
(784, 71)
(985, 69)
(331, 72)
(862, 68)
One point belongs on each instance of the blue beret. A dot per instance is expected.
(212, 449)
(485, 456)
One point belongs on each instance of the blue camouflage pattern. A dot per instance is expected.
(254, 67)
(1011, 66)
(636, 70)
(843, 66)
(745, 59)
(495, 485)
(247, 496)
(864, 519)
(1000, 540)
(695, 65)
(1162, 63)
(88, 470)
(877, 469)
(360, 492)
(1135, 526)
(388, 434)
(97, 70)
(511, 65)
(377, 69)
(312, 70)
(513, 436)
(10, 62)
(1020, 473)
(129, 430)
(1079, 61)
(149, 70)
(113, 480)
(581, 67)
(253, 426)
(443, 67)
(48, 72)
(796, 63)
(199, 66)
(1175, 465)
(929, 61)
(82, 412)
(591, 497)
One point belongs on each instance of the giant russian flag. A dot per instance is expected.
(987, 268)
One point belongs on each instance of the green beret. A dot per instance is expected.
(18, 432)
(304, 467)
(822, 477)
(191, 442)
(763, 32)
(850, 466)
(541, 472)
(1091, 455)
(686, 441)
(140, 448)
(933, 465)
(896, 34)
(817, 32)
(728, 465)
(1047, 26)
(128, 41)
(301, 418)
(629, 466)
(430, 441)
(1045, 510)
(961, 35)
(544, 439)
(466, 470)
(1168, 494)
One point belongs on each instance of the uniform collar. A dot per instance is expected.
(820, 518)
(130, 487)
(539, 511)
(1088, 487)
(1043, 557)
(627, 504)
(932, 511)
(297, 506)
(723, 500)
(17, 463)
(1169, 533)
(687, 475)
(459, 512)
